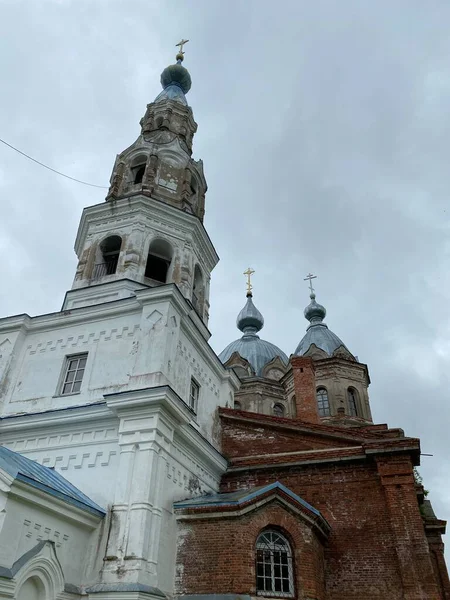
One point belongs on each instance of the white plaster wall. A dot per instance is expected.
(27, 524)
(87, 455)
(34, 376)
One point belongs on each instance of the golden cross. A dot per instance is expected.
(181, 44)
(249, 272)
(310, 277)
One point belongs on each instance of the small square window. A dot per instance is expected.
(73, 374)
(193, 395)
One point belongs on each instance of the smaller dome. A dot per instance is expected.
(314, 312)
(317, 333)
(250, 317)
(176, 75)
(250, 346)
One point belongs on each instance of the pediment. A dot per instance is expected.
(274, 369)
(316, 353)
(342, 352)
(242, 502)
(242, 367)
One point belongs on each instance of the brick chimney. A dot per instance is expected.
(305, 389)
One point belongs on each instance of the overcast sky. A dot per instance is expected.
(325, 132)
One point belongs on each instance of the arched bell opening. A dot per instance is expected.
(159, 259)
(107, 256)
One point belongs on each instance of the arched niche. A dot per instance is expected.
(32, 589)
(41, 577)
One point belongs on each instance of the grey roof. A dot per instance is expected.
(242, 496)
(250, 346)
(258, 352)
(24, 469)
(318, 332)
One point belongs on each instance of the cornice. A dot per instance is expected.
(53, 418)
(63, 509)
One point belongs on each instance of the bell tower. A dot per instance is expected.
(150, 231)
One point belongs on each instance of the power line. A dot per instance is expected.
(103, 187)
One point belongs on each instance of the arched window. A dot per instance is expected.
(323, 403)
(237, 405)
(109, 256)
(158, 261)
(278, 410)
(138, 169)
(198, 290)
(274, 569)
(352, 402)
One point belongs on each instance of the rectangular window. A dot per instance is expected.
(73, 374)
(194, 394)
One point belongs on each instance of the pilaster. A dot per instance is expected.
(413, 554)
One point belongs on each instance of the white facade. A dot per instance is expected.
(141, 431)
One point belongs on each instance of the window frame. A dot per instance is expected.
(262, 547)
(193, 401)
(326, 410)
(63, 380)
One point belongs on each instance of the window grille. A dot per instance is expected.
(193, 395)
(323, 403)
(73, 375)
(351, 396)
(274, 570)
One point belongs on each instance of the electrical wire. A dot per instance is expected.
(103, 187)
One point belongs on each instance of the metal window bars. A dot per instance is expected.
(274, 566)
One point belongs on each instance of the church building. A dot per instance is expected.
(136, 464)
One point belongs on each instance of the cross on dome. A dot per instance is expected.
(249, 272)
(180, 55)
(310, 277)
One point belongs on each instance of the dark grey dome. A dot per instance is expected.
(176, 75)
(250, 346)
(176, 82)
(318, 332)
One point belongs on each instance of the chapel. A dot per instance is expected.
(136, 464)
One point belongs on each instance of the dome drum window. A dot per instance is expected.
(323, 404)
(274, 569)
(278, 410)
(352, 402)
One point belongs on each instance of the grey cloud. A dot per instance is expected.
(324, 128)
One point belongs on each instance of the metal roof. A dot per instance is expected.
(250, 346)
(29, 471)
(258, 352)
(241, 497)
(318, 332)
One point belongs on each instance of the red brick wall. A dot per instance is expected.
(360, 557)
(305, 389)
(218, 555)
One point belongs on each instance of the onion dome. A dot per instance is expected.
(318, 332)
(250, 346)
(176, 82)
